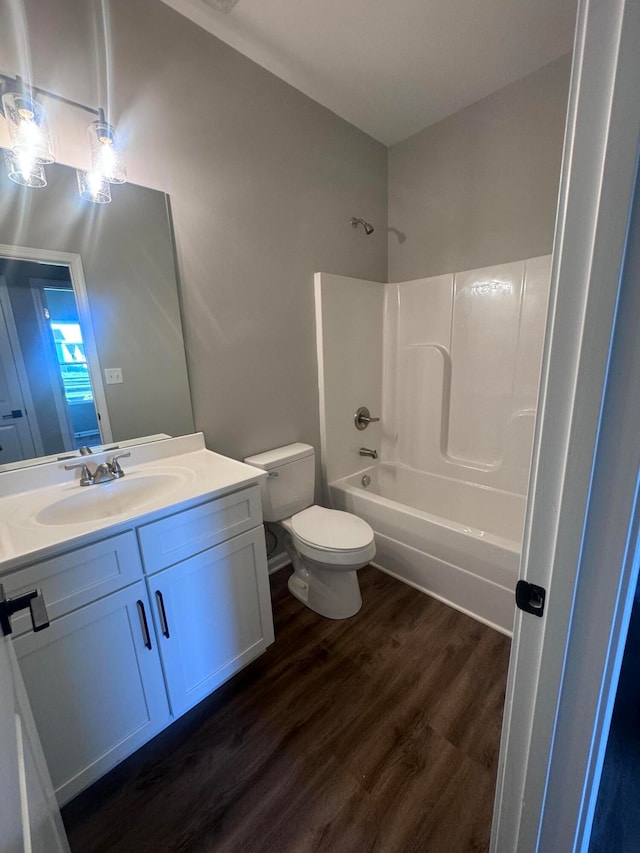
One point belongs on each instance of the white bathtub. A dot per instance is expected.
(457, 541)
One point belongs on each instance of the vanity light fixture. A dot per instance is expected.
(31, 147)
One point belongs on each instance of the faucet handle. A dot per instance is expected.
(86, 477)
(363, 418)
(114, 465)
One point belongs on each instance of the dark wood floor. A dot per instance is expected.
(379, 733)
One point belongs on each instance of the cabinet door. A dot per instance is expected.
(213, 615)
(95, 684)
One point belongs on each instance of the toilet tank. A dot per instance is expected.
(289, 487)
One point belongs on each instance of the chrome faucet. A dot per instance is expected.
(104, 473)
(367, 451)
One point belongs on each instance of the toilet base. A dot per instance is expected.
(332, 594)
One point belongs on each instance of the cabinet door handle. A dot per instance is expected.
(144, 624)
(164, 626)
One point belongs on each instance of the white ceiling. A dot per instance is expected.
(392, 67)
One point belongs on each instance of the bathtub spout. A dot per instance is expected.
(366, 451)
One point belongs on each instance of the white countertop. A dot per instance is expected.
(194, 473)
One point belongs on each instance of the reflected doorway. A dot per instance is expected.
(47, 400)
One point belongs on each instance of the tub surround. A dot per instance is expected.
(461, 374)
(453, 364)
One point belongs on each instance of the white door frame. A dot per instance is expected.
(73, 261)
(581, 515)
(18, 362)
(55, 377)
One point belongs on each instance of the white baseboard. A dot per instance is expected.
(278, 561)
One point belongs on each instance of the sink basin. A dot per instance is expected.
(115, 497)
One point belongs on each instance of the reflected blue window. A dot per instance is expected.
(72, 361)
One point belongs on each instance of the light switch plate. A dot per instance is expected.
(113, 375)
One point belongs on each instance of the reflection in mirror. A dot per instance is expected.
(47, 403)
(91, 345)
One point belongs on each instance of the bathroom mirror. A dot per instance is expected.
(91, 343)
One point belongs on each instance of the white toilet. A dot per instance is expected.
(326, 546)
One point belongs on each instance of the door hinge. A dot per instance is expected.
(530, 597)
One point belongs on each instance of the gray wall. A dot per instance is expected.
(263, 182)
(481, 186)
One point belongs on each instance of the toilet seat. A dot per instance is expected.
(331, 537)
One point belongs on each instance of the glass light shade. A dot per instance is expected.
(106, 159)
(24, 170)
(28, 127)
(93, 187)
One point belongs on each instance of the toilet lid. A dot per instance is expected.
(331, 529)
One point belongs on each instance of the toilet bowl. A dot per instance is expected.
(326, 547)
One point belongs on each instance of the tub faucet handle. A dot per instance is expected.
(363, 418)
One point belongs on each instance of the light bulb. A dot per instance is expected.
(93, 187)
(28, 128)
(23, 169)
(106, 159)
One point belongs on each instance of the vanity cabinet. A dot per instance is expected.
(144, 624)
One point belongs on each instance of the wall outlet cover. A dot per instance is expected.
(113, 375)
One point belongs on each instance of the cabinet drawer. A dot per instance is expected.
(186, 533)
(76, 578)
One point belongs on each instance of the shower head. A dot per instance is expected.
(368, 228)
